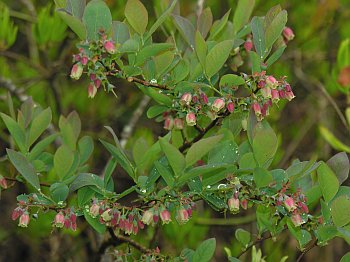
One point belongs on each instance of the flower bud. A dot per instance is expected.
(178, 123)
(106, 215)
(24, 220)
(59, 220)
(288, 88)
(94, 210)
(165, 216)
(84, 60)
(191, 119)
(282, 93)
(186, 99)
(261, 84)
(16, 213)
(169, 123)
(77, 71)
(288, 33)
(3, 182)
(110, 47)
(271, 82)
(195, 99)
(147, 217)
(92, 90)
(290, 95)
(182, 215)
(248, 45)
(230, 106)
(233, 204)
(289, 203)
(97, 83)
(204, 98)
(257, 108)
(275, 95)
(76, 58)
(244, 204)
(297, 220)
(218, 105)
(266, 92)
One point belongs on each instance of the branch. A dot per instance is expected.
(127, 130)
(202, 133)
(15, 180)
(253, 244)
(314, 244)
(11, 87)
(119, 239)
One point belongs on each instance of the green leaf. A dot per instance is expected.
(264, 144)
(67, 133)
(256, 62)
(16, 131)
(137, 15)
(156, 110)
(165, 173)
(201, 148)
(24, 168)
(205, 251)
(205, 21)
(345, 258)
(39, 125)
(86, 147)
(218, 26)
(231, 80)
(242, 14)
(340, 165)
(97, 16)
(76, 7)
(121, 158)
(154, 94)
(262, 177)
(257, 26)
(325, 233)
(41, 146)
(74, 23)
(333, 141)
(186, 29)
(63, 161)
(340, 211)
(274, 30)
(86, 179)
(120, 32)
(181, 71)
(224, 152)
(110, 167)
(175, 158)
(94, 222)
(161, 20)
(201, 48)
(247, 161)
(163, 63)
(243, 237)
(328, 182)
(150, 51)
(59, 192)
(204, 171)
(217, 57)
(343, 56)
(74, 121)
(85, 194)
(275, 56)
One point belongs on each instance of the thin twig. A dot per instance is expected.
(259, 240)
(15, 180)
(11, 87)
(123, 239)
(202, 133)
(128, 129)
(314, 244)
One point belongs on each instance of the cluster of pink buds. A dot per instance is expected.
(295, 204)
(184, 213)
(87, 59)
(66, 218)
(23, 216)
(270, 91)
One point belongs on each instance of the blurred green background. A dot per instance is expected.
(36, 50)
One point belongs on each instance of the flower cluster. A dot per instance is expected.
(92, 58)
(269, 91)
(66, 218)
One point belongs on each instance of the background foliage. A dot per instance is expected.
(35, 58)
